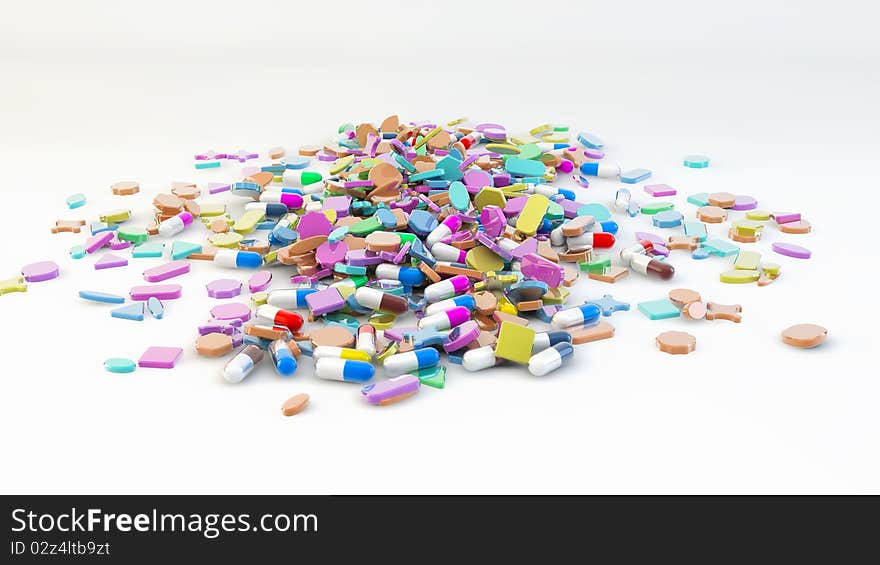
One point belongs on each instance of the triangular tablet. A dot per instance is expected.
(133, 311)
(435, 377)
(183, 249)
(109, 261)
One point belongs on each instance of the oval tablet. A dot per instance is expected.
(804, 335)
(119, 365)
(295, 404)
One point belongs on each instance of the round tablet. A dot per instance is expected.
(42, 271)
(309, 150)
(800, 226)
(676, 343)
(120, 365)
(295, 404)
(694, 310)
(332, 335)
(682, 296)
(232, 311)
(804, 335)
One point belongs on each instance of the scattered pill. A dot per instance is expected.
(295, 404)
(676, 343)
(804, 335)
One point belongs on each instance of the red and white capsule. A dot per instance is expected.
(279, 317)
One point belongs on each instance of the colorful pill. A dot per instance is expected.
(278, 317)
(550, 359)
(333, 352)
(446, 319)
(543, 340)
(290, 298)
(292, 200)
(175, 224)
(445, 305)
(381, 301)
(366, 339)
(645, 265)
(344, 370)
(584, 315)
(444, 230)
(445, 252)
(293, 177)
(596, 239)
(242, 364)
(393, 390)
(282, 357)
(597, 169)
(447, 289)
(270, 209)
(409, 276)
(640, 248)
(233, 258)
(401, 363)
(479, 358)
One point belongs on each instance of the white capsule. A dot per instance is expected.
(479, 358)
(556, 237)
(550, 359)
(445, 252)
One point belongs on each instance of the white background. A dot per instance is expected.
(782, 96)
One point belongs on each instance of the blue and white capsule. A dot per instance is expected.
(289, 298)
(584, 315)
(347, 370)
(282, 357)
(271, 210)
(402, 363)
(446, 305)
(234, 258)
(408, 276)
(600, 169)
(543, 340)
(550, 359)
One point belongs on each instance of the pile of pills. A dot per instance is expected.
(409, 246)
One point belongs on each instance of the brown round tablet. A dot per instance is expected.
(694, 310)
(332, 335)
(295, 404)
(722, 199)
(219, 226)
(682, 296)
(800, 226)
(214, 344)
(125, 188)
(168, 203)
(711, 214)
(804, 335)
(676, 343)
